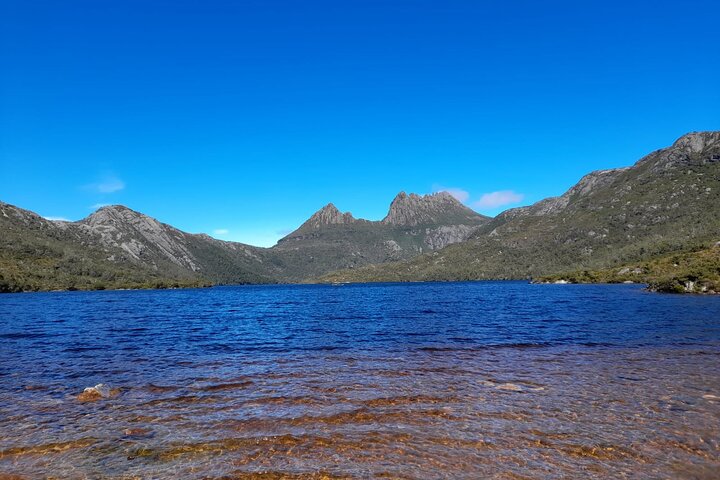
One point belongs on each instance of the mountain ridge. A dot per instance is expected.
(331, 240)
(666, 201)
(663, 202)
(327, 241)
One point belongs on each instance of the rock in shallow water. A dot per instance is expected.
(510, 386)
(98, 392)
(138, 432)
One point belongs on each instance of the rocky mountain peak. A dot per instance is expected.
(698, 141)
(114, 215)
(431, 209)
(694, 148)
(140, 236)
(329, 215)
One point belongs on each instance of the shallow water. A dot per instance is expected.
(450, 380)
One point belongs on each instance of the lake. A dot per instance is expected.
(468, 380)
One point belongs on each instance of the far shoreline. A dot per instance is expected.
(647, 287)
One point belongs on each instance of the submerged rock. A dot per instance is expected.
(138, 432)
(98, 392)
(510, 387)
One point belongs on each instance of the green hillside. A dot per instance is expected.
(666, 202)
(695, 271)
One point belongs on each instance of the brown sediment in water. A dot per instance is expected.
(619, 414)
(48, 448)
(357, 416)
(225, 386)
(179, 401)
(152, 388)
(279, 475)
(408, 400)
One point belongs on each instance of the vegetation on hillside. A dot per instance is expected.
(38, 263)
(667, 202)
(696, 271)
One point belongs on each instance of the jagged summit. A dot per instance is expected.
(432, 209)
(328, 215)
(330, 240)
(407, 210)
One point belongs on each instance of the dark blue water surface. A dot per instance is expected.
(212, 356)
(282, 319)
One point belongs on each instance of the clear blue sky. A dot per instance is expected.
(247, 116)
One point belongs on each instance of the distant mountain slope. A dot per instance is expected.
(37, 254)
(666, 201)
(144, 240)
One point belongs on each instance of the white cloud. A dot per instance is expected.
(99, 205)
(498, 199)
(108, 184)
(459, 194)
(221, 231)
(57, 219)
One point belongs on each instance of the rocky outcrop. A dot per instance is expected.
(98, 392)
(441, 237)
(693, 149)
(18, 216)
(696, 142)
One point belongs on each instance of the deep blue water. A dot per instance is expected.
(306, 345)
(282, 319)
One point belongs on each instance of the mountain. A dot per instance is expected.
(118, 247)
(38, 254)
(115, 247)
(332, 240)
(145, 240)
(667, 202)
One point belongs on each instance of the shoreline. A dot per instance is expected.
(648, 285)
